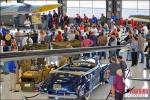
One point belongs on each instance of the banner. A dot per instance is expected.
(36, 19)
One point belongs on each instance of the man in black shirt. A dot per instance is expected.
(55, 19)
(34, 37)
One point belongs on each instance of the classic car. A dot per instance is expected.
(73, 81)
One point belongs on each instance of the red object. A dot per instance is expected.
(87, 43)
(122, 22)
(81, 27)
(118, 84)
(85, 18)
(132, 22)
(59, 37)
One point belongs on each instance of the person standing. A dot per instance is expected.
(119, 85)
(55, 19)
(112, 42)
(93, 38)
(18, 37)
(78, 19)
(94, 20)
(3, 29)
(113, 67)
(102, 41)
(85, 18)
(27, 23)
(44, 21)
(102, 19)
(113, 17)
(123, 65)
(134, 51)
(128, 39)
(61, 22)
(50, 20)
(66, 19)
(132, 22)
(16, 21)
(141, 41)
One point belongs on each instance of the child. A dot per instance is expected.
(123, 65)
(119, 85)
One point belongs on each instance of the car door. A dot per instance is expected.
(88, 83)
(96, 76)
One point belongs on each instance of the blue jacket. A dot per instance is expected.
(50, 17)
(4, 31)
(114, 18)
(12, 66)
(94, 20)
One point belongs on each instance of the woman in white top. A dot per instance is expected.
(27, 23)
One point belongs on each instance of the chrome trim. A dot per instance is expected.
(63, 96)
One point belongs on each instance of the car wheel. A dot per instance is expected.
(87, 96)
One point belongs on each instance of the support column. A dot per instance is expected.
(64, 6)
(60, 9)
(114, 6)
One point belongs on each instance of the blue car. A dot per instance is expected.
(73, 81)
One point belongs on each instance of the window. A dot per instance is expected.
(136, 7)
(73, 8)
(89, 7)
(99, 7)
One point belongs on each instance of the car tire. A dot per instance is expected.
(87, 96)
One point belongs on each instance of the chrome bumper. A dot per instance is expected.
(63, 96)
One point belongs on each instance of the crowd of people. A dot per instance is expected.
(91, 32)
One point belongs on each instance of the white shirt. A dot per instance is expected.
(71, 36)
(24, 41)
(27, 23)
(145, 29)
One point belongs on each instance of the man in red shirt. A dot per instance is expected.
(132, 22)
(122, 23)
(85, 18)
